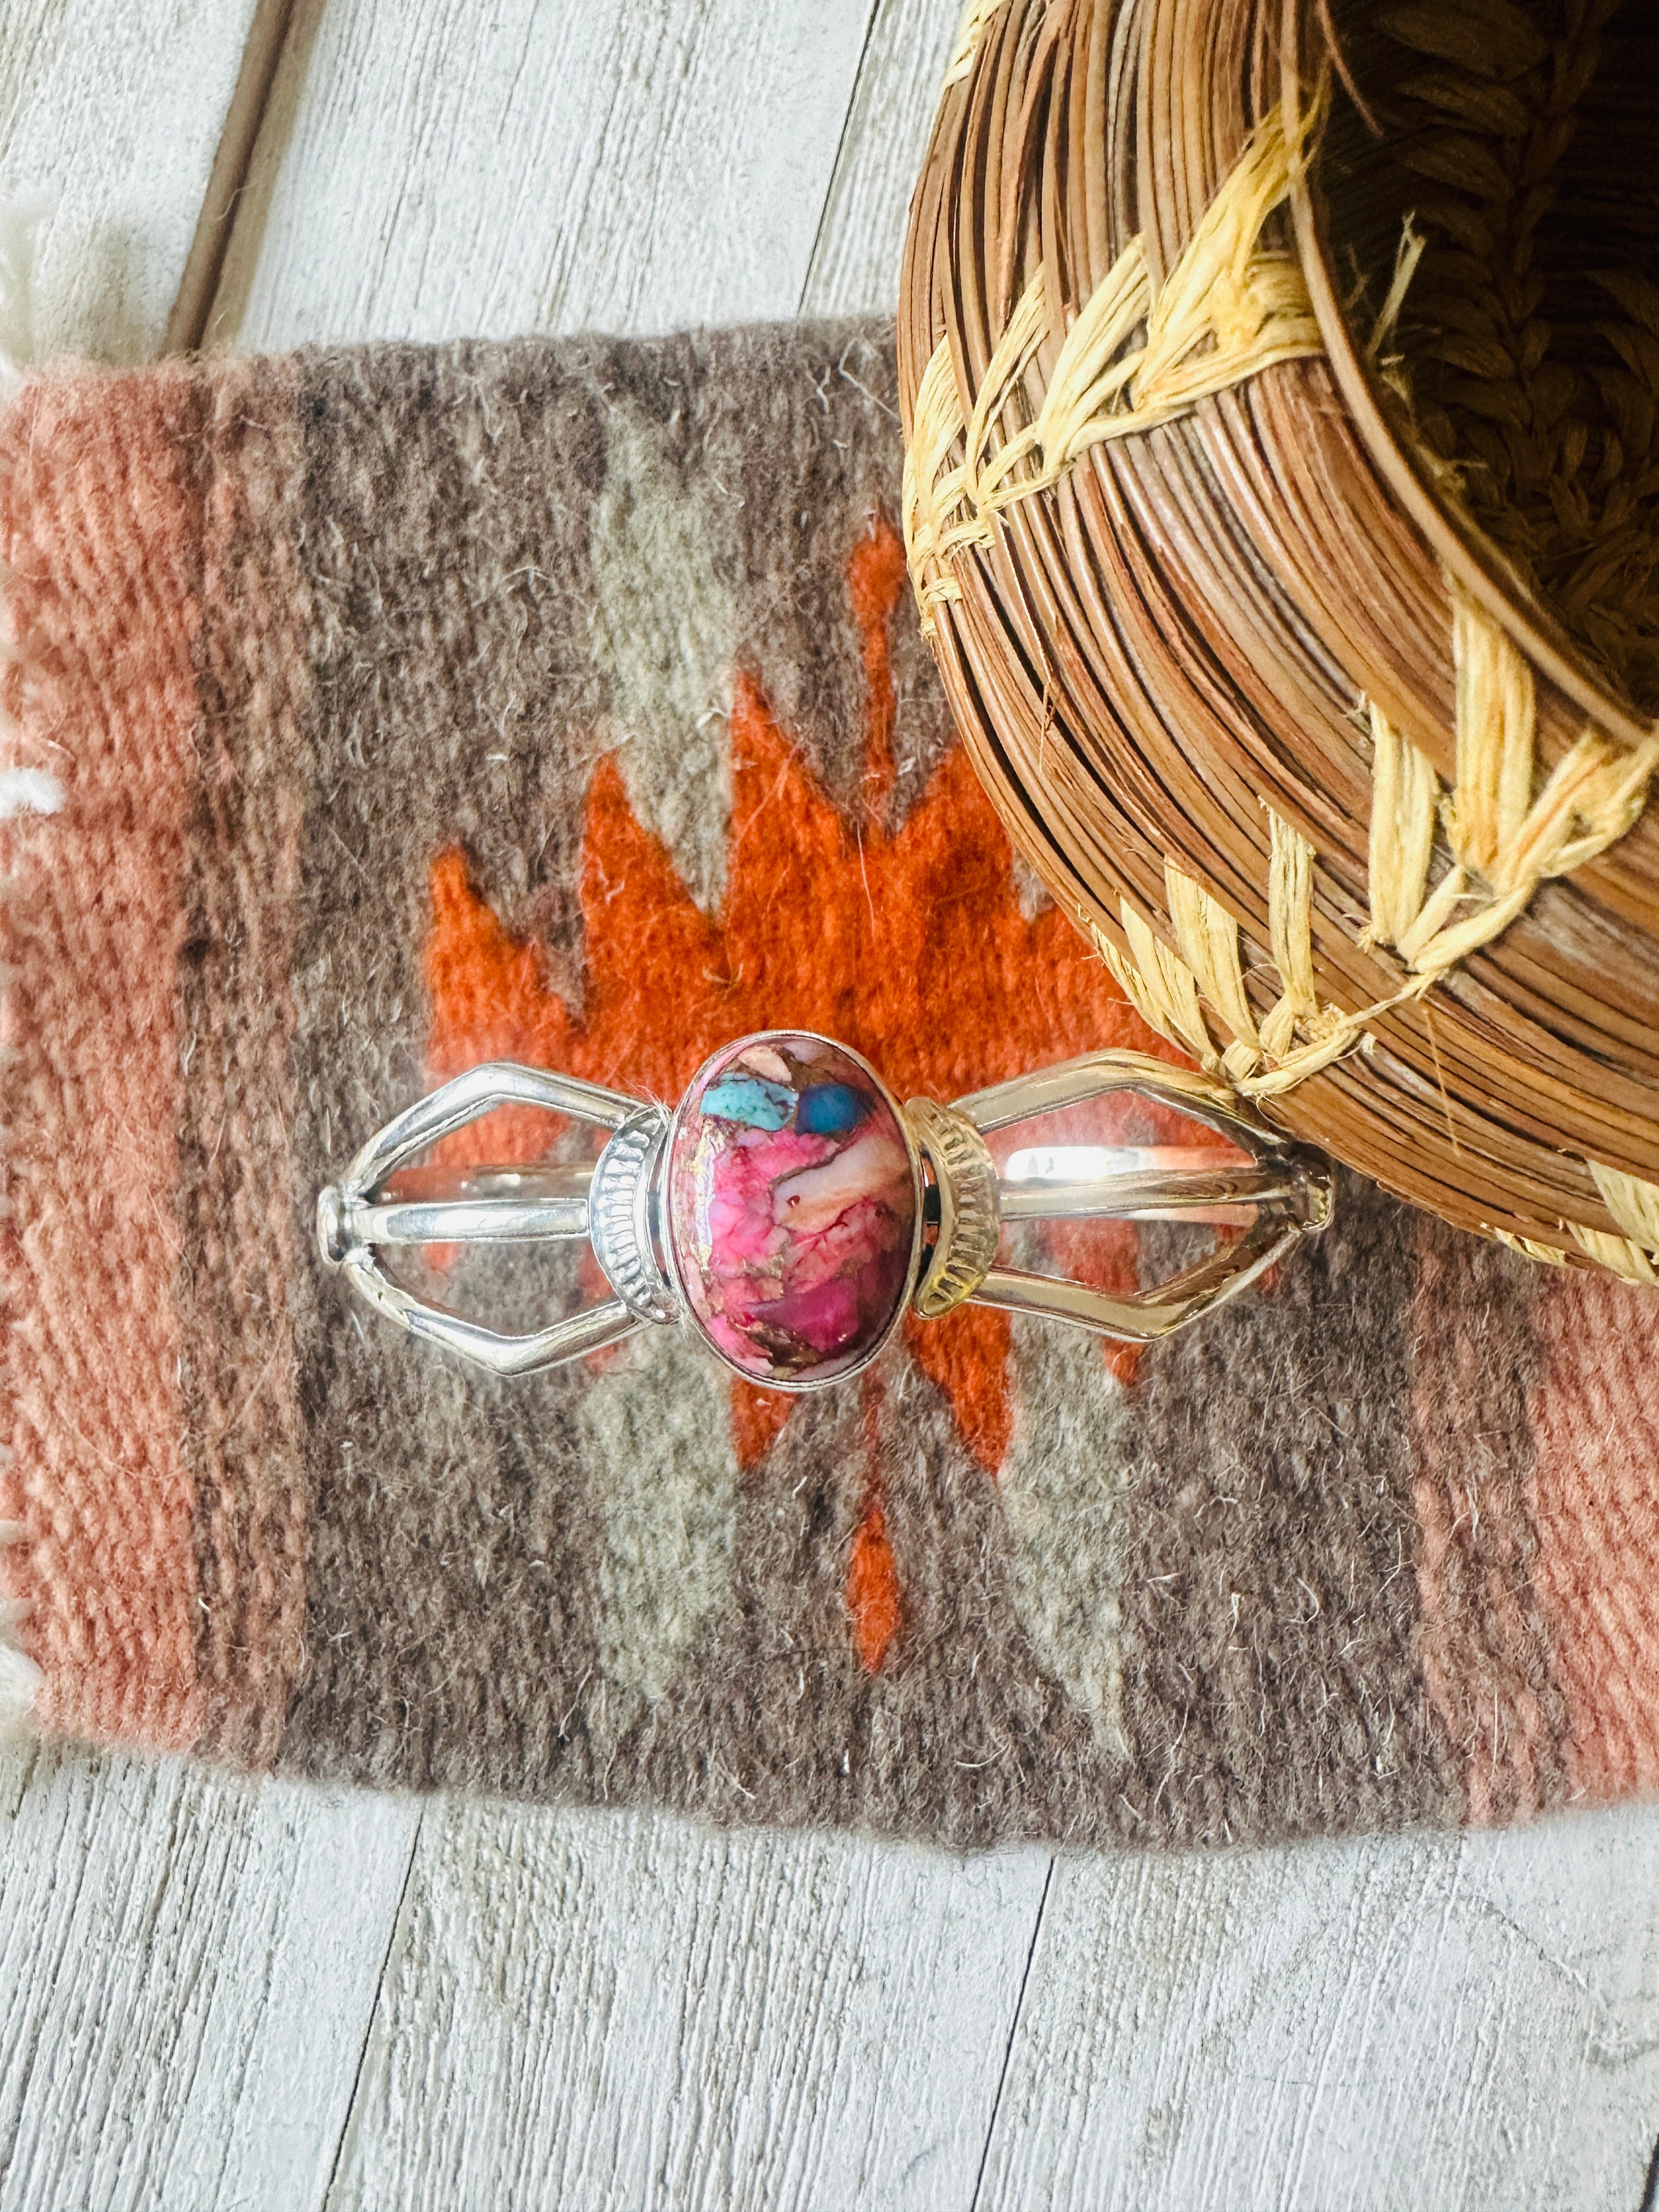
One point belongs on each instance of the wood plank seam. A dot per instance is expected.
(394, 1929)
(840, 153)
(1013, 2033)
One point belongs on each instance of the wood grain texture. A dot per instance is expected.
(187, 1968)
(429, 168)
(855, 268)
(115, 114)
(1417, 2022)
(589, 2009)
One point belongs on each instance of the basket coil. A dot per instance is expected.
(1353, 819)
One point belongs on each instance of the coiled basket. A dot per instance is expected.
(1355, 817)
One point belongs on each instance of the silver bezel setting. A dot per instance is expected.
(901, 1305)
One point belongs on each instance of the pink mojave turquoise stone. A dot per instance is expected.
(792, 1207)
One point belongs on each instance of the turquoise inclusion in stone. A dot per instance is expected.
(794, 1199)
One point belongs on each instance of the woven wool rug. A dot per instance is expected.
(376, 712)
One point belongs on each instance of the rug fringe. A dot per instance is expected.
(20, 1678)
(20, 219)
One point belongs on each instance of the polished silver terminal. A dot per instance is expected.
(494, 1205)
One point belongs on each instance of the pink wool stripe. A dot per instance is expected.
(1483, 1643)
(1596, 1502)
(97, 522)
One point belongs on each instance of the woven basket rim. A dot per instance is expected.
(1470, 558)
(1238, 685)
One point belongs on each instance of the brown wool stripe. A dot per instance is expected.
(1276, 1618)
(410, 702)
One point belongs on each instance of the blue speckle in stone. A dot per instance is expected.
(748, 1099)
(830, 1109)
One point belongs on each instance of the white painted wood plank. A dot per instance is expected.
(188, 1963)
(116, 112)
(855, 257)
(1416, 2023)
(431, 169)
(586, 2009)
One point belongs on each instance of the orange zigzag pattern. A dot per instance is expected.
(908, 943)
